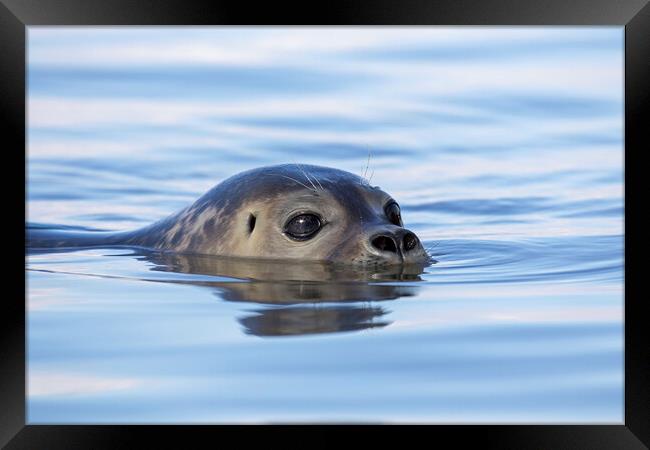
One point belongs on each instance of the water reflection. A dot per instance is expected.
(298, 298)
(312, 320)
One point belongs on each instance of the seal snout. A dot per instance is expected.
(400, 242)
(410, 241)
(385, 244)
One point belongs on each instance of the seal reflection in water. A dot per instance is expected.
(288, 212)
(297, 298)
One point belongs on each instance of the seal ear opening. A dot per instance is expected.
(251, 223)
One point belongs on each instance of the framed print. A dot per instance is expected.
(367, 216)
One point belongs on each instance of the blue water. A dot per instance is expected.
(503, 146)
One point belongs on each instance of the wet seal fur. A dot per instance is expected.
(245, 215)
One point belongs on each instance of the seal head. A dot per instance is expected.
(294, 212)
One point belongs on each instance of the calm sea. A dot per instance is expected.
(503, 146)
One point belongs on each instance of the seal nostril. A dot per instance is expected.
(251, 223)
(384, 243)
(410, 241)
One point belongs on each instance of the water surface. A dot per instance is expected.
(503, 146)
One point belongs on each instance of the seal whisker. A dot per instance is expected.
(365, 172)
(292, 179)
(316, 179)
(367, 165)
(306, 176)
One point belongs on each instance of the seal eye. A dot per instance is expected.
(303, 227)
(393, 213)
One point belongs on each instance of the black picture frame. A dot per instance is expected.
(16, 15)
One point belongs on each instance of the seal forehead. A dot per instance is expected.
(309, 175)
(351, 191)
(264, 182)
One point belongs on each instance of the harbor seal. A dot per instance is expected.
(288, 211)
